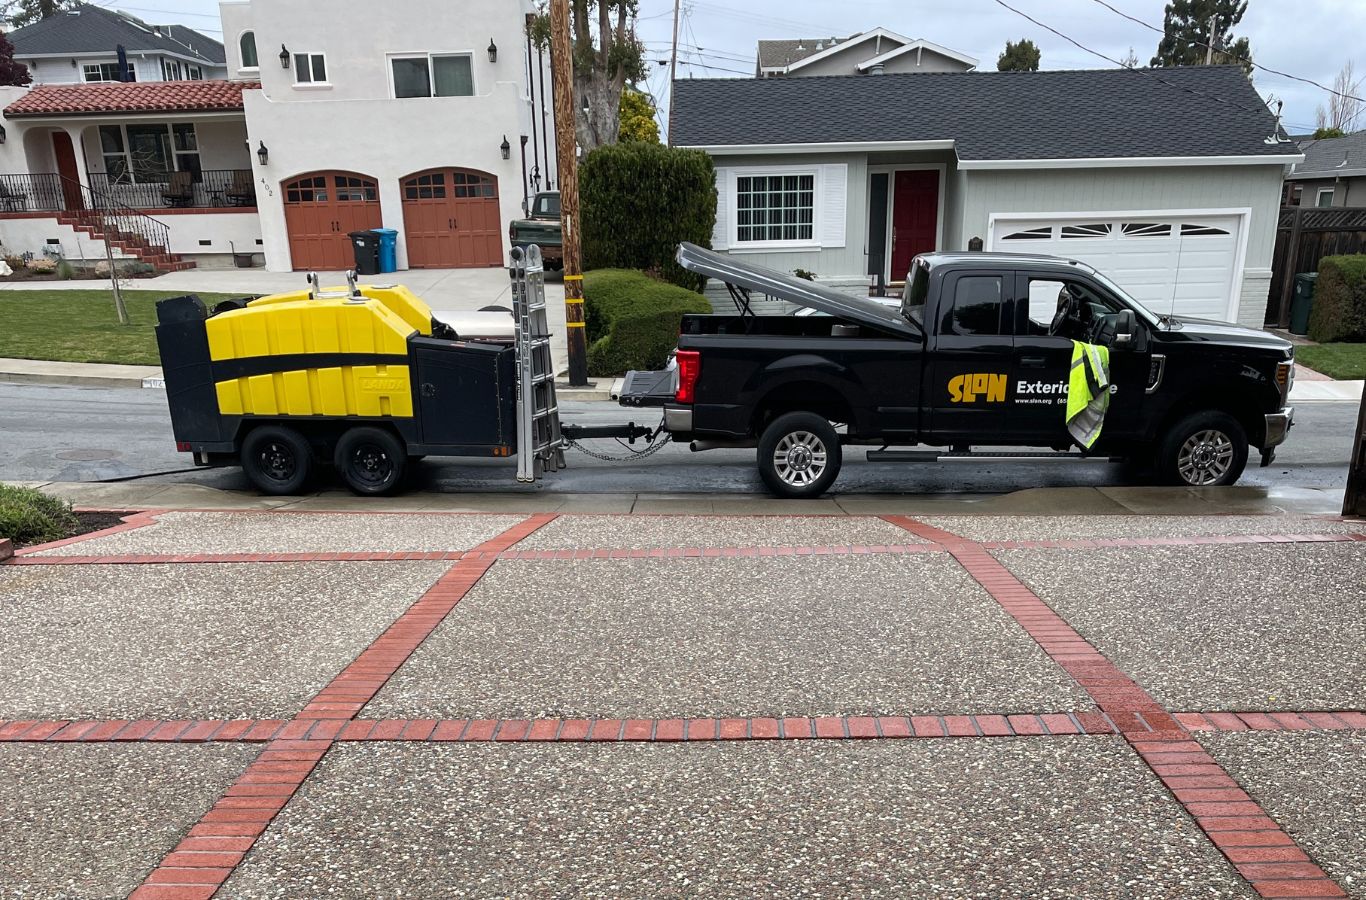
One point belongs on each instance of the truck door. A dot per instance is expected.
(1043, 360)
(968, 387)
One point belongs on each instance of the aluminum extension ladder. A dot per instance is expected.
(540, 445)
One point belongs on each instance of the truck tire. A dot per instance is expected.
(799, 455)
(278, 460)
(371, 461)
(1204, 449)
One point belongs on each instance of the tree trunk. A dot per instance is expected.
(596, 119)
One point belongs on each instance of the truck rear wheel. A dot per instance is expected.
(1204, 449)
(799, 455)
(278, 460)
(371, 461)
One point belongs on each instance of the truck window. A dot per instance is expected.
(1043, 302)
(913, 306)
(547, 205)
(976, 306)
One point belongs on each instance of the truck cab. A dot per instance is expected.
(541, 228)
(978, 355)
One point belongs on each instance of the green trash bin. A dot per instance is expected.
(1303, 302)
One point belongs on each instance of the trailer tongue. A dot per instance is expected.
(367, 379)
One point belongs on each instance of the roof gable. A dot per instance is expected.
(783, 54)
(92, 29)
(845, 46)
(918, 44)
(1195, 111)
(1333, 157)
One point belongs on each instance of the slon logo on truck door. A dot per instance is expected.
(986, 387)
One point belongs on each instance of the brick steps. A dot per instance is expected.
(155, 255)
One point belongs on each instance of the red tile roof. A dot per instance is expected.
(137, 97)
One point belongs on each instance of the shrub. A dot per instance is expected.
(65, 270)
(42, 264)
(32, 517)
(632, 319)
(1339, 312)
(639, 201)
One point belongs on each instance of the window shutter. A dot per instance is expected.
(834, 188)
(720, 235)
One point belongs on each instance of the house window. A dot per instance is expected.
(1188, 230)
(1146, 229)
(1099, 229)
(433, 75)
(1324, 197)
(148, 153)
(105, 72)
(194, 73)
(772, 208)
(170, 70)
(310, 68)
(1033, 234)
(247, 44)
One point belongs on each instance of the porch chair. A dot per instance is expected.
(242, 190)
(180, 189)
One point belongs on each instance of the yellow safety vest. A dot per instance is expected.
(1088, 392)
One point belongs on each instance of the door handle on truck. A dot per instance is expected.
(1033, 362)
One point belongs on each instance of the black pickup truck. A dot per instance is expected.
(977, 354)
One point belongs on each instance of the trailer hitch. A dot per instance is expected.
(630, 431)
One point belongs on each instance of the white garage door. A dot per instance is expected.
(1183, 265)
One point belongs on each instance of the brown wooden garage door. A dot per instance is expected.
(320, 209)
(452, 220)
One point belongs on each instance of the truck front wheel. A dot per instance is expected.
(371, 461)
(1203, 449)
(278, 460)
(799, 455)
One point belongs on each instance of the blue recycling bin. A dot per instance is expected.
(388, 249)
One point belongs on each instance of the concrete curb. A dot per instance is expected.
(38, 371)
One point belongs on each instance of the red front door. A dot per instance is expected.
(65, 153)
(915, 218)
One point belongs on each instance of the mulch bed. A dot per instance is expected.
(92, 521)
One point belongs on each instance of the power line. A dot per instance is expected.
(1146, 73)
(1240, 59)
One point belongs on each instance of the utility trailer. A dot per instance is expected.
(366, 378)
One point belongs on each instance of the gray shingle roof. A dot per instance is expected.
(776, 54)
(97, 30)
(1192, 111)
(1325, 158)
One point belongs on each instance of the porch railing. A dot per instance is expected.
(119, 223)
(50, 192)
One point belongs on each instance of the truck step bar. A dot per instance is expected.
(930, 456)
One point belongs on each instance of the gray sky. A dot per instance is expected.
(1309, 38)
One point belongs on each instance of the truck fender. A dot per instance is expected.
(807, 369)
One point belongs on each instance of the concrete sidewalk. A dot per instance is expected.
(269, 703)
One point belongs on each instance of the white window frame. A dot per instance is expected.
(735, 245)
(171, 65)
(193, 73)
(242, 67)
(99, 66)
(431, 72)
(294, 69)
(1318, 197)
(127, 153)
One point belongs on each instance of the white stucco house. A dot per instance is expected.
(435, 123)
(1168, 180)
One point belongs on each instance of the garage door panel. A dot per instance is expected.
(1184, 265)
(320, 209)
(452, 219)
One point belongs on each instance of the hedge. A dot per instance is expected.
(638, 202)
(1339, 312)
(31, 517)
(632, 319)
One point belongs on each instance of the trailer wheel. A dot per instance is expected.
(278, 460)
(1203, 449)
(371, 461)
(799, 455)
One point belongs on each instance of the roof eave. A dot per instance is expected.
(844, 45)
(1117, 162)
(1320, 175)
(828, 147)
(919, 43)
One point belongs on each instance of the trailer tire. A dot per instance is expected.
(371, 461)
(799, 455)
(278, 460)
(1204, 449)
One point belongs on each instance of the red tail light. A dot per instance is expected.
(689, 367)
(182, 446)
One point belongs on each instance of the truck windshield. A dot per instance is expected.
(917, 288)
(547, 205)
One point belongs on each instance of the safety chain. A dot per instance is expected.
(654, 448)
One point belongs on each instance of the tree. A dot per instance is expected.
(601, 69)
(26, 12)
(1343, 111)
(1130, 61)
(1187, 37)
(12, 74)
(637, 115)
(1019, 56)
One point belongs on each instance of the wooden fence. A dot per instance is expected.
(1304, 235)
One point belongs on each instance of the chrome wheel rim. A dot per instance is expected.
(277, 461)
(800, 458)
(1205, 457)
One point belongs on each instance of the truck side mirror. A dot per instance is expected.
(1124, 328)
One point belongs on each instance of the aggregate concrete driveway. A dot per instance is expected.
(266, 704)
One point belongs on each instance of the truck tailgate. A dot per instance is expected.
(649, 388)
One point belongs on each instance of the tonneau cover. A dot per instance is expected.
(782, 286)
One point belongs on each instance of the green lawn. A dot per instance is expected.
(1343, 361)
(81, 326)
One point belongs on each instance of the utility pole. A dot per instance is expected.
(566, 153)
(1209, 44)
(673, 67)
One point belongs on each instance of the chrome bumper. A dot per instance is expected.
(1277, 426)
(677, 419)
